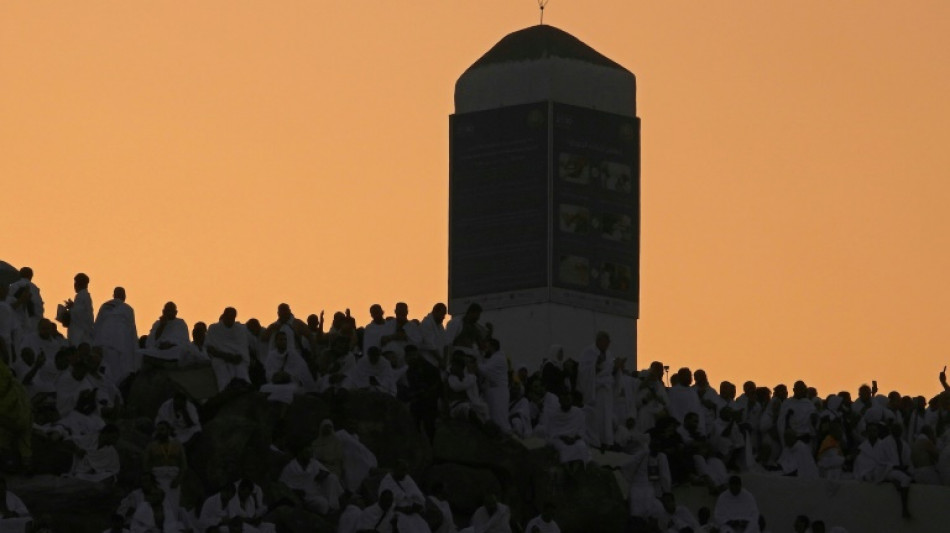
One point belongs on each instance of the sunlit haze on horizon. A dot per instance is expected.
(794, 166)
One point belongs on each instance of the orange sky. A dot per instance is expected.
(794, 174)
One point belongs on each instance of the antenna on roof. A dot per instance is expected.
(541, 4)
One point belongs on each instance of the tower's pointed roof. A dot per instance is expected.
(542, 63)
(541, 42)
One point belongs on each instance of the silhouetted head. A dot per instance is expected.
(439, 311)
(80, 282)
(170, 311)
(385, 499)
(280, 341)
(735, 485)
(229, 316)
(402, 311)
(119, 293)
(283, 312)
(602, 341)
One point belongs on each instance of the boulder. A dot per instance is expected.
(68, 504)
(466, 486)
(386, 427)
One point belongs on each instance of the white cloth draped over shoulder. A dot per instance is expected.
(184, 427)
(382, 371)
(115, 332)
(737, 507)
(571, 424)
(175, 333)
(494, 370)
(233, 341)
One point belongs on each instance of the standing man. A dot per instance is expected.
(25, 298)
(80, 327)
(595, 380)
(115, 332)
(434, 340)
(494, 369)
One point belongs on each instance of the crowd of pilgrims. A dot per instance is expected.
(685, 431)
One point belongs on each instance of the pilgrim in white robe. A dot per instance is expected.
(683, 400)
(358, 460)
(570, 425)
(372, 336)
(406, 494)
(494, 370)
(434, 340)
(798, 458)
(292, 363)
(595, 380)
(44, 380)
(251, 508)
(233, 341)
(80, 319)
(184, 429)
(320, 495)
(116, 333)
(171, 345)
(642, 495)
(737, 507)
(365, 372)
(99, 463)
(68, 389)
(467, 400)
(879, 461)
(29, 315)
(398, 347)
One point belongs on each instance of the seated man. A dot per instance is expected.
(282, 359)
(879, 460)
(248, 505)
(95, 457)
(464, 400)
(566, 428)
(168, 338)
(319, 489)
(181, 415)
(373, 372)
(736, 509)
(227, 345)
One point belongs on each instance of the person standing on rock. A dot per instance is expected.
(80, 323)
(115, 331)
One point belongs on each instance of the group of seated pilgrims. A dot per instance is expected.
(669, 434)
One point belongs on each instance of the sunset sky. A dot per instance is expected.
(795, 165)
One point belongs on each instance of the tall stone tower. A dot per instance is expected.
(544, 196)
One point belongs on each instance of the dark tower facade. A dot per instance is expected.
(544, 195)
